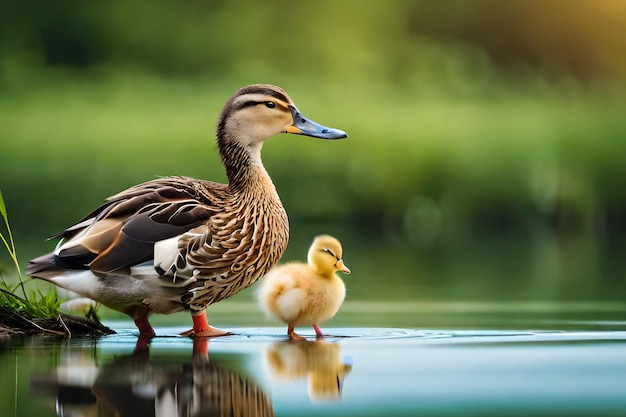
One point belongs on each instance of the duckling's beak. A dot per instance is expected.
(303, 126)
(340, 266)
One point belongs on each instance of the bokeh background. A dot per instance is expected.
(486, 151)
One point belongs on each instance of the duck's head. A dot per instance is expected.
(259, 111)
(325, 255)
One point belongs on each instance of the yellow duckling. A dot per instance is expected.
(301, 294)
(181, 244)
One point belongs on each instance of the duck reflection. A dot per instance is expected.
(136, 385)
(319, 361)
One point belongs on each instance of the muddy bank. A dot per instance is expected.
(16, 323)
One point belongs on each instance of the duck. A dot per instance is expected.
(181, 244)
(306, 293)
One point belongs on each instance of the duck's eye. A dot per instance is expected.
(329, 252)
(270, 104)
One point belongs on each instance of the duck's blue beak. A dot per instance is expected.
(303, 126)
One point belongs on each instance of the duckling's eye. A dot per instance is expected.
(270, 104)
(330, 252)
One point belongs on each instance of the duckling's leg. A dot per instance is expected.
(318, 331)
(292, 334)
(201, 327)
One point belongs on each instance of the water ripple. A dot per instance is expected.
(169, 336)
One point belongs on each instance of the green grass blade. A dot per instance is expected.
(3, 208)
(9, 244)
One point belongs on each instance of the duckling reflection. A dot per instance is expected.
(135, 385)
(319, 361)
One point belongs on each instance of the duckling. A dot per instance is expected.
(178, 243)
(306, 294)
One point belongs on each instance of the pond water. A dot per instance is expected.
(354, 371)
(533, 326)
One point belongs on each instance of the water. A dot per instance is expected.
(533, 327)
(353, 372)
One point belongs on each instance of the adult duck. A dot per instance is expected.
(179, 243)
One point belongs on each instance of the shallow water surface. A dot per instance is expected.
(354, 371)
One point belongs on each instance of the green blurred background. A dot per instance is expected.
(486, 151)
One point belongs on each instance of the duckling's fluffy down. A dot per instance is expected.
(297, 294)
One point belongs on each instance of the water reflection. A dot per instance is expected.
(318, 361)
(135, 385)
(401, 372)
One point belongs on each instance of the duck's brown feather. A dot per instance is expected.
(223, 236)
(137, 218)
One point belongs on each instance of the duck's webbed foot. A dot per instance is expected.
(208, 332)
(201, 327)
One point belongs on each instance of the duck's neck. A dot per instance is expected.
(244, 168)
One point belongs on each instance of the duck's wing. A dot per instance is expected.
(122, 232)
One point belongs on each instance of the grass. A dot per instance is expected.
(38, 304)
(10, 245)
(38, 312)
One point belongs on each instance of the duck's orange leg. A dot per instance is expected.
(140, 316)
(145, 328)
(201, 327)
